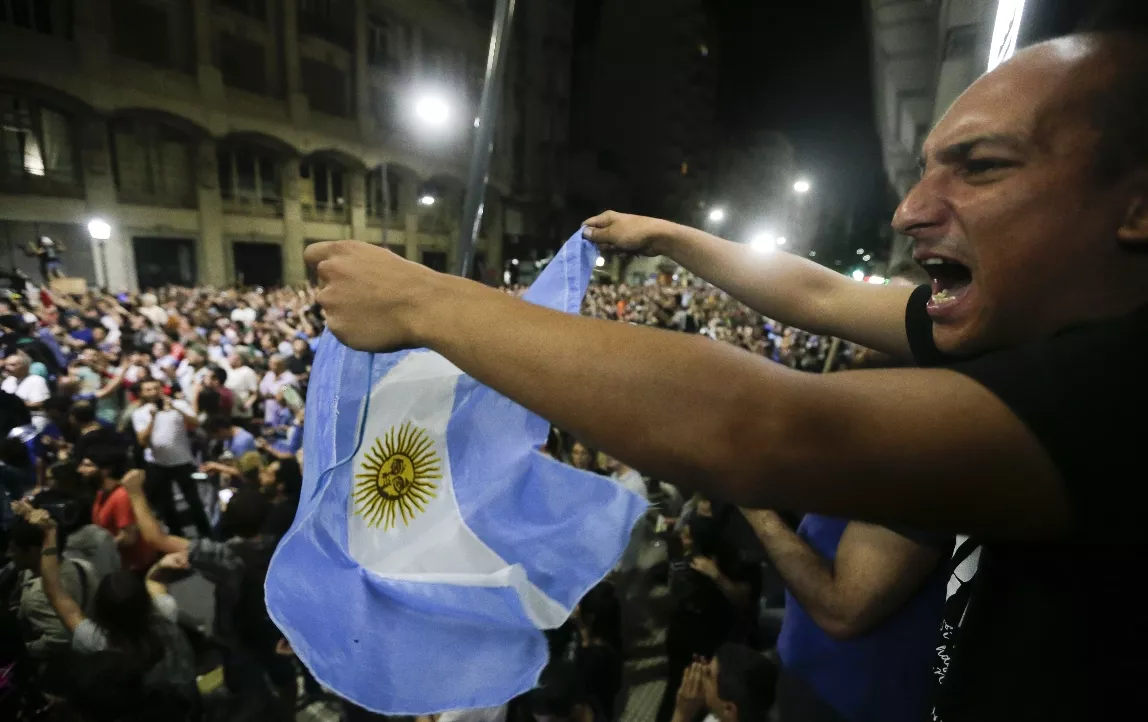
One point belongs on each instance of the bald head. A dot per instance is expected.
(1029, 198)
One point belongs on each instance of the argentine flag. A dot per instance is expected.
(433, 541)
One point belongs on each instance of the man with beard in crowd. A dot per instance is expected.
(1031, 218)
(162, 427)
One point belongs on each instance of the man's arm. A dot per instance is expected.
(67, 609)
(129, 532)
(782, 286)
(112, 386)
(150, 530)
(736, 592)
(143, 431)
(875, 572)
(755, 433)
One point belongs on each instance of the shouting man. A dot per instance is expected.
(1031, 217)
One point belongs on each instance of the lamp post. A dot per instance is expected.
(100, 231)
(485, 125)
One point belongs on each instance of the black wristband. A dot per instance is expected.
(49, 552)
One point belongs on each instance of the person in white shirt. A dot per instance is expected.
(273, 382)
(243, 315)
(31, 389)
(162, 426)
(192, 371)
(151, 310)
(243, 383)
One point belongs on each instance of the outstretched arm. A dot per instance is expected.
(782, 286)
(755, 433)
(66, 607)
(149, 529)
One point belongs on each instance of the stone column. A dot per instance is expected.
(412, 235)
(211, 250)
(112, 258)
(361, 68)
(293, 77)
(294, 273)
(93, 36)
(209, 76)
(357, 185)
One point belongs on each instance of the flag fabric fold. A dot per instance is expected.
(433, 542)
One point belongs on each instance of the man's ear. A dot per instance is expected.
(1134, 230)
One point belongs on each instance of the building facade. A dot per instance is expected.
(218, 138)
(654, 101)
(927, 52)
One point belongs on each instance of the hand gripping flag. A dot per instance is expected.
(433, 541)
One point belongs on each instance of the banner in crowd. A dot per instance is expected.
(433, 542)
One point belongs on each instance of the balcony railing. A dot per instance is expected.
(250, 206)
(326, 212)
(47, 183)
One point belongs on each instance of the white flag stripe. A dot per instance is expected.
(411, 530)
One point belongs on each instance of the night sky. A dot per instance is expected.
(803, 68)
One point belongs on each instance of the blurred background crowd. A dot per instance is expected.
(152, 460)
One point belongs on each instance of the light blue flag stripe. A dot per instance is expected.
(397, 646)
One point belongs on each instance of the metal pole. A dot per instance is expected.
(484, 136)
(831, 356)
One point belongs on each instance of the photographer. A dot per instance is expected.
(162, 428)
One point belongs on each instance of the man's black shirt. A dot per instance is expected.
(1055, 630)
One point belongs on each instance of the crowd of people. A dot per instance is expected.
(149, 440)
(156, 438)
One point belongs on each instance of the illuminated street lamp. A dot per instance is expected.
(717, 215)
(763, 243)
(432, 110)
(99, 229)
(802, 186)
(427, 200)
(858, 275)
(781, 240)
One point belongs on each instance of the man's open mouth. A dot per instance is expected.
(950, 279)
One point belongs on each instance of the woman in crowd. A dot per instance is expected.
(131, 617)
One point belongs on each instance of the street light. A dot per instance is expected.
(858, 275)
(432, 110)
(763, 243)
(99, 229)
(802, 186)
(717, 215)
(427, 200)
(781, 241)
(866, 257)
(860, 251)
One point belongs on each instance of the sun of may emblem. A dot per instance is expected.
(395, 481)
